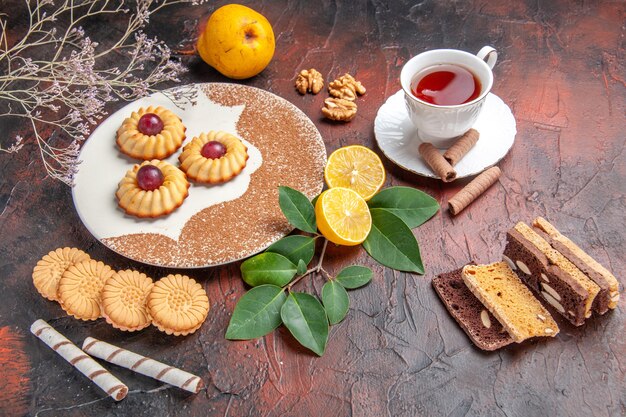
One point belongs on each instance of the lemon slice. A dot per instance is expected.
(355, 167)
(343, 216)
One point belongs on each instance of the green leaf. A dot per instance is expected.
(392, 243)
(301, 267)
(294, 248)
(314, 201)
(354, 276)
(257, 313)
(410, 204)
(336, 301)
(306, 319)
(268, 268)
(297, 209)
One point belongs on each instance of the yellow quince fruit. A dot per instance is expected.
(237, 41)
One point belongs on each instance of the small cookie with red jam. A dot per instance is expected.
(213, 157)
(151, 133)
(152, 189)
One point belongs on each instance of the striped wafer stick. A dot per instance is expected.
(143, 365)
(84, 363)
(462, 146)
(472, 190)
(437, 162)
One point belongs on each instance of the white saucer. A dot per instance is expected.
(397, 137)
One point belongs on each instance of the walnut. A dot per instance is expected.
(309, 80)
(339, 109)
(346, 87)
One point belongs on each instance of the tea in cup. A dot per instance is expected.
(444, 91)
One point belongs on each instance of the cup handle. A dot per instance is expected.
(489, 55)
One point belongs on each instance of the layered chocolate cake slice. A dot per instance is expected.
(509, 300)
(608, 296)
(478, 323)
(550, 274)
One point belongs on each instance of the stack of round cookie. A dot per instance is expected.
(129, 300)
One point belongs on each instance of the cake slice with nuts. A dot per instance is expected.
(608, 296)
(559, 289)
(509, 300)
(550, 274)
(478, 323)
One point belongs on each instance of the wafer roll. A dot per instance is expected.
(437, 162)
(462, 146)
(143, 365)
(84, 363)
(472, 190)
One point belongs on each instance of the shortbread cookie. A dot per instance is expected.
(80, 288)
(178, 305)
(49, 269)
(213, 157)
(609, 286)
(478, 323)
(124, 300)
(151, 133)
(154, 188)
(509, 300)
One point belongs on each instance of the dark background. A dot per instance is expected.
(398, 352)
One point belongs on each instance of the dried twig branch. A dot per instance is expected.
(68, 88)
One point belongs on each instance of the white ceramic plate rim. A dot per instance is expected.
(144, 101)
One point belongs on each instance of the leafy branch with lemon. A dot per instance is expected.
(350, 212)
(239, 43)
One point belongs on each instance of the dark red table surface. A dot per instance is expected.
(561, 69)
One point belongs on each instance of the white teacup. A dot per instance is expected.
(441, 125)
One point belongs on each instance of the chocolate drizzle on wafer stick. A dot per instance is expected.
(85, 364)
(143, 365)
(437, 162)
(472, 190)
(462, 146)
